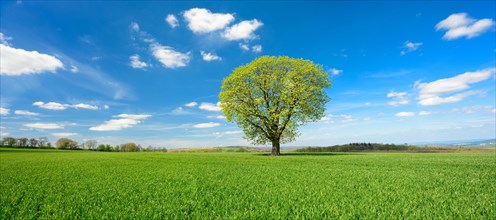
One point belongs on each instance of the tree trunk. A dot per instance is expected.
(276, 148)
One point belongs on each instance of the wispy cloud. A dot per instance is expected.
(405, 114)
(64, 134)
(26, 113)
(431, 93)
(58, 106)
(44, 125)
(461, 25)
(210, 106)
(124, 121)
(206, 125)
(172, 20)
(399, 98)
(409, 46)
(335, 71)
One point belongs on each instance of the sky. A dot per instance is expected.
(150, 72)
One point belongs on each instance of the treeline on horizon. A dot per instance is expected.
(68, 144)
(366, 147)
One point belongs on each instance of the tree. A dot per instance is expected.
(33, 142)
(90, 144)
(22, 142)
(271, 96)
(66, 143)
(129, 147)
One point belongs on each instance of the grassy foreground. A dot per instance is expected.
(93, 185)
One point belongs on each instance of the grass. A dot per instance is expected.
(52, 184)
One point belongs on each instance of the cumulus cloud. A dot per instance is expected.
(172, 20)
(191, 104)
(4, 111)
(201, 20)
(227, 133)
(242, 31)
(26, 113)
(210, 106)
(123, 121)
(44, 125)
(58, 106)
(206, 125)
(134, 26)
(64, 134)
(399, 98)
(136, 63)
(430, 93)
(331, 119)
(169, 57)
(209, 56)
(461, 25)
(405, 114)
(335, 71)
(409, 46)
(16, 61)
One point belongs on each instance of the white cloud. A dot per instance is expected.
(106, 107)
(172, 20)
(135, 26)
(4, 111)
(399, 98)
(206, 125)
(169, 57)
(461, 25)
(405, 114)
(59, 106)
(74, 69)
(64, 134)
(24, 112)
(244, 47)
(227, 133)
(4, 39)
(424, 113)
(44, 125)
(124, 121)
(201, 20)
(242, 31)
(85, 106)
(136, 63)
(209, 56)
(331, 119)
(51, 105)
(430, 93)
(335, 71)
(473, 109)
(16, 62)
(210, 106)
(191, 104)
(257, 48)
(409, 46)
(217, 116)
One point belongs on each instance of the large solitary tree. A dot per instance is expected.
(271, 96)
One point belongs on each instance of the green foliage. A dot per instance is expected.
(66, 143)
(222, 185)
(271, 96)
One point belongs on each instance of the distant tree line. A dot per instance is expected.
(68, 144)
(365, 147)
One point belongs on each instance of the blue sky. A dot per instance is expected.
(150, 72)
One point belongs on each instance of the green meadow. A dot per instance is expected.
(55, 184)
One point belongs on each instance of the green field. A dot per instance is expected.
(52, 184)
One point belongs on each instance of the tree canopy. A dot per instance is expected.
(271, 96)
